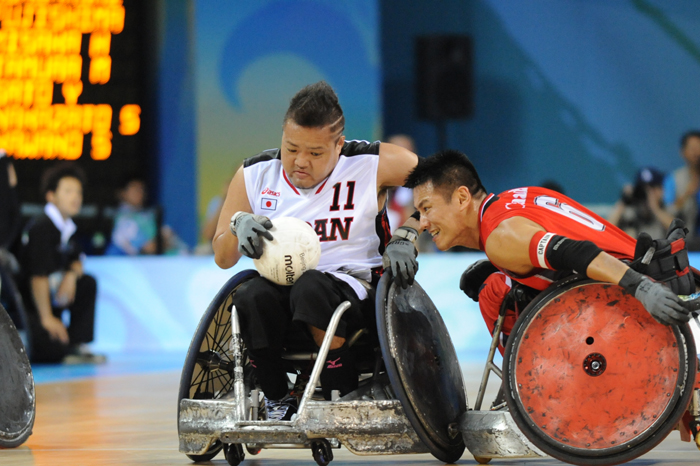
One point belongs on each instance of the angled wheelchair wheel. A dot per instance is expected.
(17, 399)
(422, 366)
(208, 369)
(591, 378)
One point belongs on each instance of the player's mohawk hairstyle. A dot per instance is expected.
(446, 170)
(316, 106)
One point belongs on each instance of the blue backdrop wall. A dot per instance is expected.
(584, 92)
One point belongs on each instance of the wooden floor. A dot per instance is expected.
(131, 420)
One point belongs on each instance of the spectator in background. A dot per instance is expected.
(53, 277)
(641, 206)
(211, 219)
(681, 188)
(400, 205)
(136, 226)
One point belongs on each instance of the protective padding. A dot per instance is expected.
(592, 374)
(422, 366)
(17, 400)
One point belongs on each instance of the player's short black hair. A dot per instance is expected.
(446, 170)
(316, 106)
(55, 174)
(693, 133)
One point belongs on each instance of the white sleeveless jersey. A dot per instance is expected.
(342, 209)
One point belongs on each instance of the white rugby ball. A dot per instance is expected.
(294, 249)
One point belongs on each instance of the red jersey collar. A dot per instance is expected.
(482, 208)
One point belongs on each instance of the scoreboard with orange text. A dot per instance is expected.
(73, 86)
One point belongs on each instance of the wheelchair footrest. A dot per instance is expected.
(364, 427)
(494, 434)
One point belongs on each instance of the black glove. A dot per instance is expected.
(475, 276)
(249, 228)
(669, 264)
(663, 305)
(400, 255)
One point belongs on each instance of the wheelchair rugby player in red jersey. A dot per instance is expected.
(599, 361)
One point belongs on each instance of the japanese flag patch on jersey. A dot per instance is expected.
(268, 204)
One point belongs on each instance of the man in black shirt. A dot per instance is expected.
(54, 278)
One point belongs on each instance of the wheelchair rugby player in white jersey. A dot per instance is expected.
(340, 188)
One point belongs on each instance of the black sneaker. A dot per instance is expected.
(281, 410)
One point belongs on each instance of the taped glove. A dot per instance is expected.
(663, 305)
(400, 255)
(248, 228)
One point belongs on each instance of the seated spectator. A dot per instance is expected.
(210, 221)
(53, 279)
(682, 187)
(641, 206)
(136, 226)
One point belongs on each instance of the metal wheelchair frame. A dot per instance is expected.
(362, 426)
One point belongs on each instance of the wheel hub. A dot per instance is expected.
(595, 364)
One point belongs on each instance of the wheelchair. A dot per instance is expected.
(589, 378)
(220, 408)
(17, 397)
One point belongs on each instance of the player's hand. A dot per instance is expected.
(55, 329)
(66, 290)
(249, 228)
(663, 305)
(475, 276)
(400, 255)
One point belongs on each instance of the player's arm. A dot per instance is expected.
(395, 163)
(41, 294)
(520, 245)
(239, 231)
(225, 244)
(66, 290)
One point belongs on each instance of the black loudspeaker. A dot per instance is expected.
(444, 77)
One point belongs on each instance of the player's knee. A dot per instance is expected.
(310, 284)
(492, 294)
(250, 292)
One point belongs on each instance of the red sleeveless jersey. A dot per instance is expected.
(557, 214)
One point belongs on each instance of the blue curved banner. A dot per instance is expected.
(253, 57)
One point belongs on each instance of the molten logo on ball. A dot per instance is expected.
(295, 248)
(289, 269)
